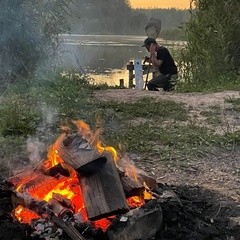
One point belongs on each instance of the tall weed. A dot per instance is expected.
(212, 50)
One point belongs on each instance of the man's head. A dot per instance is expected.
(148, 42)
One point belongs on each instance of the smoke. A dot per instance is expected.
(28, 43)
(37, 144)
(35, 149)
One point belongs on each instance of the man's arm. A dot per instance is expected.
(155, 62)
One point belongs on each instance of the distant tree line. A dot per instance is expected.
(117, 17)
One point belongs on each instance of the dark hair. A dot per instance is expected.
(148, 41)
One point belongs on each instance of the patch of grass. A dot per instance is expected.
(147, 126)
(148, 108)
(19, 115)
(229, 82)
(28, 101)
(235, 103)
(213, 116)
(146, 137)
(232, 137)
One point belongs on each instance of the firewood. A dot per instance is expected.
(102, 191)
(77, 152)
(40, 207)
(144, 177)
(27, 173)
(125, 163)
(139, 223)
(131, 187)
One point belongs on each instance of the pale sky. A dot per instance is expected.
(160, 3)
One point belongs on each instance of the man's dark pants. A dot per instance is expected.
(166, 82)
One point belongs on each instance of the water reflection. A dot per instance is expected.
(104, 57)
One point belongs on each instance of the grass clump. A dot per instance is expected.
(142, 138)
(213, 115)
(235, 104)
(19, 115)
(23, 107)
(147, 108)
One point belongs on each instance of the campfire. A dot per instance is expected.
(86, 190)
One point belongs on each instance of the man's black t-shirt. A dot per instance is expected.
(168, 65)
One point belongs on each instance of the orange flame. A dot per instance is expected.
(62, 189)
(53, 157)
(146, 193)
(93, 138)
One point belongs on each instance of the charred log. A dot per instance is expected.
(68, 228)
(77, 152)
(140, 223)
(130, 186)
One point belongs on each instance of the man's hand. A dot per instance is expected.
(152, 48)
(146, 59)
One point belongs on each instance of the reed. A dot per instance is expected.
(212, 50)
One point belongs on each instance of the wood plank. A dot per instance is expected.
(76, 151)
(102, 191)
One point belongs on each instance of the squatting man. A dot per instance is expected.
(162, 60)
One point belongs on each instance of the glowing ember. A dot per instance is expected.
(135, 201)
(62, 189)
(24, 215)
(103, 223)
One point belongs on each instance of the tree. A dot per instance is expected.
(28, 34)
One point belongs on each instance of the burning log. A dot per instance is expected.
(97, 172)
(125, 164)
(102, 191)
(151, 182)
(77, 152)
(27, 173)
(130, 186)
(41, 185)
(60, 210)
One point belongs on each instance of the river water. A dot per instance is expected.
(105, 57)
